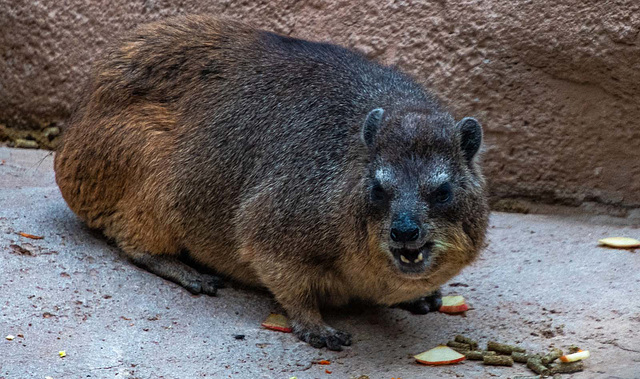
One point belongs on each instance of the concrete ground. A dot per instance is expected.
(542, 282)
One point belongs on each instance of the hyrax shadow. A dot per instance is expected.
(297, 166)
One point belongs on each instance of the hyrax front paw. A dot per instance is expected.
(423, 305)
(322, 335)
(205, 284)
(170, 268)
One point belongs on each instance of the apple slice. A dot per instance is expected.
(440, 355)
(620, 242)
(580, 355)
(277, 322)
(453, 304)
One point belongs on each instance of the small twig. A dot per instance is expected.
(107, 368)
(614, 343)
(42, 160)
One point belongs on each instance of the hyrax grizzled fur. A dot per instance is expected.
(297, 166)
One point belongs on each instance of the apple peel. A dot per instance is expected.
(440, 355)
(620, 242)
(277, 322)
(453, 304)
(580, 355)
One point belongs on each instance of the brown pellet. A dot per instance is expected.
(564, 368)
(497, 360)
(520, 357)
(459, 345)
(473, 344)
(479, 354)
(503, 348)
(535, 364)
(554, 354)
(474, 355)
(573, 349)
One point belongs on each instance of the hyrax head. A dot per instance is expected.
(424, 193)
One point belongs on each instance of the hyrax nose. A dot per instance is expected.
(405, 232)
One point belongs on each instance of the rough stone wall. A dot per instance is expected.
(556, 83)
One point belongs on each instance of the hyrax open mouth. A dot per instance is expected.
(412, 261)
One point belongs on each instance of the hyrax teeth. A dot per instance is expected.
(420, 257)
(404, 259)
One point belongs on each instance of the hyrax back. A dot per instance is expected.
(298, 166)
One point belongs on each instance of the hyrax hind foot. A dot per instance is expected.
(322, 335)
(423, 305)
(172, 269)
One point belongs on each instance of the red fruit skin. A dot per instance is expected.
(278, 328)
(454, 308)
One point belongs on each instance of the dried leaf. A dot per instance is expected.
(27, 235)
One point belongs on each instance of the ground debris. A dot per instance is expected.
(19, 250)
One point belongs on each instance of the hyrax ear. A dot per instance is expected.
(470, 136)
(371, 126)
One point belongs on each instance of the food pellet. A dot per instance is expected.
(459, 345)
(554, 354)
(520, 357)
(474, 355)
(535, 364)
(564, 368)
(458, 350)
(573, 349)
(497, 360)
(504, 348)
(479, 354)
(473, 344)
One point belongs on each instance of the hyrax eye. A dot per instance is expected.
(378, 194)
(443, 194)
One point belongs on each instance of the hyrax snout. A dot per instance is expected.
(297, 166)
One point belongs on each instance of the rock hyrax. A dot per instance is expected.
(297, 166)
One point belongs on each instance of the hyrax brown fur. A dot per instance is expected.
(301, 167)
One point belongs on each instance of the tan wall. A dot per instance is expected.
(556, 83)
